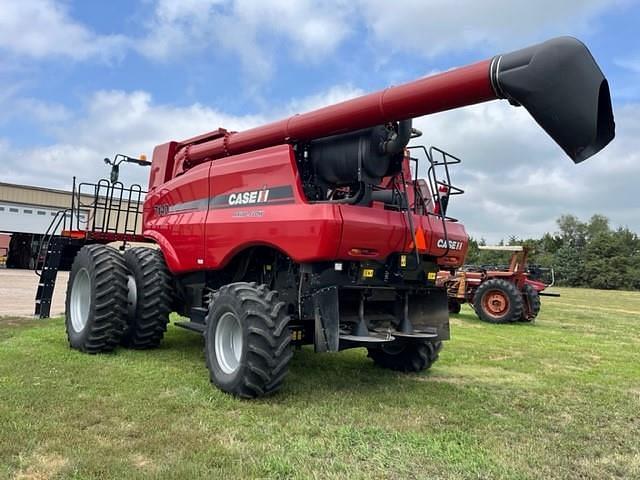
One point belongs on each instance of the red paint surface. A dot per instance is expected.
(4, 242)
(536, 284)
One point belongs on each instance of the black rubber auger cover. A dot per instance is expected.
(562, 87)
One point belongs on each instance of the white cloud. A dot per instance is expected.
(335, 94)
(43, 29)
(130, 123)
(13, 106)
(631, 63)
(437, 26)
(256, 32)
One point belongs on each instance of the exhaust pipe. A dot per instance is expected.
(564, 90)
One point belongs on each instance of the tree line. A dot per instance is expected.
(583, 254)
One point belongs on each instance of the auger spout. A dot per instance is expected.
(558, 82)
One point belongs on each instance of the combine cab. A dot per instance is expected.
(310, 230)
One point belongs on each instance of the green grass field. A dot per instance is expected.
(558, 399)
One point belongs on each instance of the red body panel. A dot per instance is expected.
(305, 232)
(536, 284)
(198, 224)
(180, 233)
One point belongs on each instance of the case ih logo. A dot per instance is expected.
(453, 244)
(263, 196)
(245, 198)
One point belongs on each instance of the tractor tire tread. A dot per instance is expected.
(268, 350)
(532, 297)
(154, 298)
(516, 302)
(107, 321)
(414, 358)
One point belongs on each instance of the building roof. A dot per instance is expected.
(32, 187)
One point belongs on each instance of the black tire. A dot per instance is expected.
(532, 297)
(96, 304)
(149, 298)
(264, 355)
(454, 306)
(406, 357)
(508, 308)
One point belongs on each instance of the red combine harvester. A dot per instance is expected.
(497, 295)
(311, 230)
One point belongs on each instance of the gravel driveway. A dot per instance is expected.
(18, 291)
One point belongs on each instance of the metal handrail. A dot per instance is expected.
(60, 216)
(434, 183)
(107, 199)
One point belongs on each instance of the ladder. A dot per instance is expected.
(48, 275)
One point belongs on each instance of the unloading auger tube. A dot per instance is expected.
(558, 82)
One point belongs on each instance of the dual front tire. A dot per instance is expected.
(114, 299)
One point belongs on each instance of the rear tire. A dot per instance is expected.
(96, 304)
(406, 357)
(454, 306)
(247, 340)
(149, 298)
(532, 297)
(498, 301)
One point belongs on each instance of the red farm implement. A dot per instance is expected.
(498, 295)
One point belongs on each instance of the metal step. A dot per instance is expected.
(413, 335)
(193, 326)
(373, 337)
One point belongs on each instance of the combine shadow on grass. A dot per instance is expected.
(317, 378)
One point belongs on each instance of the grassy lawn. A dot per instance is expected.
(557, 399)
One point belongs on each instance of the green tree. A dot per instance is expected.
(583, 254)
(569, 266)
(573, 232)
(597, 224)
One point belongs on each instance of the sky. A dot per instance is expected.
(84, 80)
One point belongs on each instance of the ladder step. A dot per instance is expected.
(373, 337)
(193, 326)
